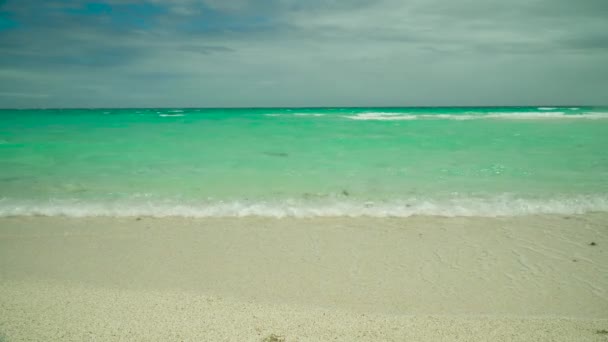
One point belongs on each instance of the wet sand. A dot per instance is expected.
(421, 278)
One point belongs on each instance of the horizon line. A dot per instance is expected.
(305, 107)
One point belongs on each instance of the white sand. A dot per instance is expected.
(416, 279)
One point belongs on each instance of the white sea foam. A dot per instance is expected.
(379, 116)
(479, 116)
(550, 115)
(542, 114)
(465, 207)
(527, 115)
(164, 115)
(295, 114)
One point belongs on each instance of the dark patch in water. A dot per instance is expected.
(593, 244)
(79, 190)
(345, 193)
(308, 195)
(277, 154)
(10, 179)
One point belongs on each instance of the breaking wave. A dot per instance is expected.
(467, 207)
(165, 115)
(478, 116)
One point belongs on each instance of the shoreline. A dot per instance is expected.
(422, 278)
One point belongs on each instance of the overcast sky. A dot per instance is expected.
(234, 53)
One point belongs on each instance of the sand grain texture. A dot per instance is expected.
(253, 279)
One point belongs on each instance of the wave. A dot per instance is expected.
(383, 116)
(478, 116)
(542, 113)
(294, 114)
(466, 207)
(165, 115)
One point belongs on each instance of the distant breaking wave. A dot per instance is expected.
(165, 115)
(295, 114)
(397, 116)
(480, 116)
(385, 116)
(466, 207)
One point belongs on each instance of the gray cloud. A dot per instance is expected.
(288, 52)
(205, 49)
(587, 42)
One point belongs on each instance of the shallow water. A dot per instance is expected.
(304, 161)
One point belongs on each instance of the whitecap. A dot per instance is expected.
(498, 206)
(379, 116)
(481, 116)
(295, 114)
(551, 115)
(164, 115)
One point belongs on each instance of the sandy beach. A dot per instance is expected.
(534, 278)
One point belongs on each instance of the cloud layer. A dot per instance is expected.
(126, 53)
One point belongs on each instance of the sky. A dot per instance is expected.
(239, 53)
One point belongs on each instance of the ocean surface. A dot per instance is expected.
(304, 162)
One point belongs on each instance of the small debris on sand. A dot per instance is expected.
(274, 338)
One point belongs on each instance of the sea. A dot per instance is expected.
(304, 162)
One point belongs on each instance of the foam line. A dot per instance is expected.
(475, 206)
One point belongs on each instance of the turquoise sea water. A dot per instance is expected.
(304, 161)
